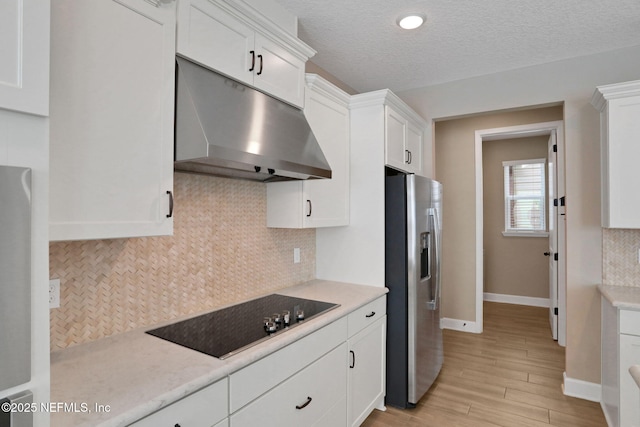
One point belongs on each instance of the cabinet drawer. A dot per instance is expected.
(318, 388)
(203, 408)
(366, 315)
(630, 322)
(254, 380)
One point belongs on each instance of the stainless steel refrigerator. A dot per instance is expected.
(15, 292)
(413, 241)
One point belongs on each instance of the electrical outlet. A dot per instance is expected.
(54, 293)
(296, 255)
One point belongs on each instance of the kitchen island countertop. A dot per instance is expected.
(622, 297)
(117, 380)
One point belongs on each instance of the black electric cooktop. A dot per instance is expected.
(225, 332)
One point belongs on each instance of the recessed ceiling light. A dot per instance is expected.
(412, 21)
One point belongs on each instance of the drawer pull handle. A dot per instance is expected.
(304, 405)
(373, 313)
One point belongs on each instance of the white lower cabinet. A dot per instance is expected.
(620, 351)
(304, 399)
(367, 362)
(205, 408)
(333, 377)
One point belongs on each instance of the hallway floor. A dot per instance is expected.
(510, 375)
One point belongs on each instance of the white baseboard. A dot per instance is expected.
(460, 325)
(516, 299)
(581, 389)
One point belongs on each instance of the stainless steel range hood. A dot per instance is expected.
(225, 128)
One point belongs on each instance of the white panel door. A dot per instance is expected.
(278, 72)
(395, 134)
(328, 199)
(552, 210)
(366, 378)
(624, 152)
(112, 103)
(24, 56)
(210, 36)
(415, 140)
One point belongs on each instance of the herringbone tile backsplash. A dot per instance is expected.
(221, 253)
(620, 265)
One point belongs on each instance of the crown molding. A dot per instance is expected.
(328, 89)
(386, 97)
(606, 93)
(260, 23)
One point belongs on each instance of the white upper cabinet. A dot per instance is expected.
(111, 126)
(239, 41)
(24, 56)
(318, 202)
(619, 106)
(404, 138)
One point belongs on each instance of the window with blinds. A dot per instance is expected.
(524, 195)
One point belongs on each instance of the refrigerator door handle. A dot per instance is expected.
(435, 284)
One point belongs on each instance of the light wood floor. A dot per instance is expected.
(510, 375)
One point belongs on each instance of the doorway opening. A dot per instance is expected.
(554, 205)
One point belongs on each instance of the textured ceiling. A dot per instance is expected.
(359, 42)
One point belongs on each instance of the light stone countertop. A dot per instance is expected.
(635, 373)
(622, 297)
(136, 373)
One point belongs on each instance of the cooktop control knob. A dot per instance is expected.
(286, 317)
(277, 318)
(270, 327)
(300, 315)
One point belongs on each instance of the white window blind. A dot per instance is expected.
(524, 195)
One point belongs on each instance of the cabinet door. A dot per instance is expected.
(366, 376)
(111, 128)
(321, 202)
(415, 138)
(24, 56)
(629, 394)
(395, 145)
(278, 72)
(209, 35)
(326, 201)
(623, 150)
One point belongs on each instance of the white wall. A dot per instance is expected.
(24, 141)
(572, 81)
